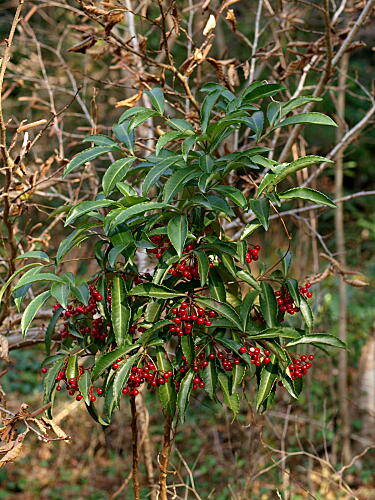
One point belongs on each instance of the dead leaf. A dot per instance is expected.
(56, 429)
(111, 19)
(233, 79)
(4, 348)
(15, 451)
(231, 17)
(246, 69)
(84, 45)
(210, 25)
(356, 283)
(130, 101)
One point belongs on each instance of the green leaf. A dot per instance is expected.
(85, 207)
(146, 336)
(167, 391)
(121, 377)
(49, 380)
(256, 123)
(307, 194)
(139, 208)
(50, 329)
(268, 304)
(123, 134)
(183, 395)
(250, 228)
(249, 279)
(306, 313)
(261, 209)
(19, 271)
(74, 239)
(136, 110)
(277, 331)
(36, 278)
(167, 137)
(84, 383)
(141, 118)
(60, 291)
(72, 367)
(233, 194)
(154, 291)
(109, 401)
(32, 309)
(231, 400)
(222, 309)
(209, 377)
(177, 232)
(238, 374)
(81, 293)
(203, 266)
(156, 97)
(152, 312)
(177, 181)
(296, 103)
(188, 348)
(208, 103)
(246, 307)
(216, 286)
(312, 118)
(157, 171)
(115, 173)
(318, 338)
(106, 360)
(268, 377)
(263, 90)
(293, 290)
(36, 254)
(86, 156)
(120, 311)
(100, 140)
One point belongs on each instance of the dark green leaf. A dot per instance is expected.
(167, 391)
(231, 400)
(183, 395)
(104, 361)
(261, 209)
(249, 279)
(223, 309)
(306, 313)
(312, 118)
(85, 207)
(156, 96)
(238, 374)
(177, 232)
(188, 348)
(120, 311)
(268, 304)
(84, 383)
(203, 266)
(36, 254)
(307, 194)
(177, 182)
(293, 290)
(60, 291)
(50, 329)
(49, 380)
(268, 377)
(72, 367)
(115, 173)
(233, 194)
(209, 377)
(318, 338)
(32, 309)
(155, 291)
(86, 156)
(139, 208)
(121, 377)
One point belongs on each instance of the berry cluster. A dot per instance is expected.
(149, 374)
(285, 301)
(85, 318)
(71, 384)
(252, 254)
(300, 366)
(186, 315)
(199, 364)
(257, 356)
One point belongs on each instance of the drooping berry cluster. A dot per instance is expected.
(252, 254)
(149, 374)
(186, 315)
(85, 319)
(199, 364)
(286, 302)
(257, 356)
(71, 384)
(300, 366)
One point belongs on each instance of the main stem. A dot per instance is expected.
(135, 449)
(164, 460)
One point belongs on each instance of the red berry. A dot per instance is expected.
(266, 360)
(99, 391)
(311, 357)
(44, 370)
(309, 295)
(99, 297)
(212, 355)
(243, 349)
(79, 397)
(115, 366)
